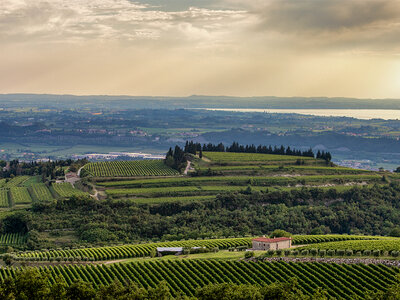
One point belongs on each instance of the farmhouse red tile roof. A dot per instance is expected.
(274, 240)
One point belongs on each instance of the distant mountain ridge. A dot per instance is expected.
(195, 101)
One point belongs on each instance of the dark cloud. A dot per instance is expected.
(327, 15)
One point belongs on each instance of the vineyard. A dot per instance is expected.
(170, 199)
(4, 198)
(16, 181)
(224, 157)
(143, 250)
(242, 180)
(66, 190)
(20, 195)
(392, 244)
(12, 239)
(187, 275)
(129, 168)
(40, 192)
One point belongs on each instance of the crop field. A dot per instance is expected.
(12, 239)
(186, 276)
(281, 169)
(225, 157)
(130, 168)
(241, 180)
(17, 181)
(4, 198)
(180, 190)
(390, 244)
(142, 250)
(169, 199)
(31, 180)
(40, 192)
(20, 195)
(2, 182)
(66, 190)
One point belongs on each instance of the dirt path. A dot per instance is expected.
(187, 167)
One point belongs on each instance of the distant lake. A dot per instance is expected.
(365, 114)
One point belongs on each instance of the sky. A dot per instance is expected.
(333, 48)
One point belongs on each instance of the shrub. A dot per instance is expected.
(286, 252)
(322, 253)
(340, 252)
(330, 252)
(249, 254)
(395, 253)
(295, 252)
(304, 252)
(349, 252)
(367, 252)
(314, 251)
(279, 252)
(270, 252)
(376, 253)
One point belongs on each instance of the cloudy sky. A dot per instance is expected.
(209, 47)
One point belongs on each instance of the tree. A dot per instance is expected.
(80, 290)
(280, 233)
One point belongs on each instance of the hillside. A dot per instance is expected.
(339, 217)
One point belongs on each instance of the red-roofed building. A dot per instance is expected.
(263, 243)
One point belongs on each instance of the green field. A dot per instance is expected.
(12, 239)
(66, 190)
(225, 157)
(17, 181)
(40, 192)
(4, 198)
(159, 200)
(3, 182)
(142, 250)
(392, 244)
(129, 168)
(186, 276)
(20, 195)
(241, 180)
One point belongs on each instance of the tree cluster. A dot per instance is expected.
(176, 158)
(193, 148)
(48, 169)
(324, 155)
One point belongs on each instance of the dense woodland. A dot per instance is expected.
(364, 210)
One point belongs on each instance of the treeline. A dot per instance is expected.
(47, 169)
(360, 210)
(193, 148)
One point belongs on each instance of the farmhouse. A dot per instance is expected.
(264, 243)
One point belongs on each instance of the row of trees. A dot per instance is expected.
(193, 148)
(52, 169)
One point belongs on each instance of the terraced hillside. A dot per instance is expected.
(222, 172)
(142, 250)
(22, 191)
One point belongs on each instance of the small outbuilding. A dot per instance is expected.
(161, 251)
(263, 243)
